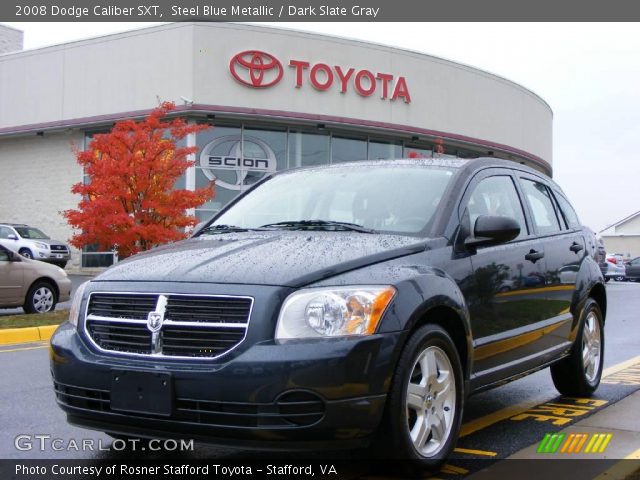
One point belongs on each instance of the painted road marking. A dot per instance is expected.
(629, 376)
(23, 348)
(513, 410)
(470, 451)
(561, 413)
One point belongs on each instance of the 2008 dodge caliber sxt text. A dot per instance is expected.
(341, 306)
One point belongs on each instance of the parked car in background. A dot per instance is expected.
(632, 270)
(32, 243)
(615, 267)
(35, 286)
(341, 306)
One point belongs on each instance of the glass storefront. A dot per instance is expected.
(236, 155)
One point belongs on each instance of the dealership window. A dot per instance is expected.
(345, 149)
(308, 149)
(380, 150)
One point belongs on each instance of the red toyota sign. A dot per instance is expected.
(257, 69)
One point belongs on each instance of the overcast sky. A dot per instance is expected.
(588, 73)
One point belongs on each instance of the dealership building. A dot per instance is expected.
(276, 99)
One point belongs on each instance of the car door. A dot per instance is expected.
(565, 249)
(508, 280)
(11, 280)
(633, 269)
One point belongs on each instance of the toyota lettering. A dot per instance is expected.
(257, 69)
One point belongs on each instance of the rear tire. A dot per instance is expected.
(619, 278)
(579, 374)
(424, 409)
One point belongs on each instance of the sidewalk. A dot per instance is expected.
(620, 459)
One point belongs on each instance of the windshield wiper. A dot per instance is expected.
(224, 229)
(319, 224)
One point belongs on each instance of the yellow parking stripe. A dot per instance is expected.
(475, 452)
(481, 423)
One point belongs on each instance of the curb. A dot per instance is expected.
(12, 336)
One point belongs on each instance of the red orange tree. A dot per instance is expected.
(130, 204)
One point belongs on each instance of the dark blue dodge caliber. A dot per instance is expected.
(343, 306)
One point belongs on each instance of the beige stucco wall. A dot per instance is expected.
(629, 246)
(35, 185)
(131, 71)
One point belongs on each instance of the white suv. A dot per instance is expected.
(33, 243)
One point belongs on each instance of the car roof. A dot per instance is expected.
(465, 167)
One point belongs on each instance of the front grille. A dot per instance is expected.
(132, 307)
(293, 409)
(120, 337)
(59, 248)
(192, 326)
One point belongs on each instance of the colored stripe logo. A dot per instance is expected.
(574, 443)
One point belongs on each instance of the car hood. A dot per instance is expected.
(47, 241)
(285, 258)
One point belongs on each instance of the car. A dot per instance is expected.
(615, 267)
(343, 306)
(32, 243)
(35, 286)
(632, 270)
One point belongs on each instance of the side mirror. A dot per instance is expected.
(493, 230)
(11, 236)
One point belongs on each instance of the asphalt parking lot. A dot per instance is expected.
(497, 423)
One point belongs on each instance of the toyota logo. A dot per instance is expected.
(256, 69)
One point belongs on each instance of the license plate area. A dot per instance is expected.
(150, 393)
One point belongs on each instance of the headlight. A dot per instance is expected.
(74, 311)
(333, 311)
(42, 246)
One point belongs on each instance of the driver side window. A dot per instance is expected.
(496, 196)
(5, 232)
(4, 256)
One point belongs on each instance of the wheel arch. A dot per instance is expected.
(52, 283)
(450, 319)
(599, 294)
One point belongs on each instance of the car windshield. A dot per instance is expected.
(397, 198)
(31, 233)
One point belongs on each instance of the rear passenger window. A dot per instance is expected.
(541, 204)
(496, 196)
(568, 211)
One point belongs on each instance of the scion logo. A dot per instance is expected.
(256, 69)
(225, 161)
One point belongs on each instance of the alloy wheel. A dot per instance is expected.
(431, 401)
(591, 340)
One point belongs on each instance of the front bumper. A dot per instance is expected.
(51, 256)
(327, 393)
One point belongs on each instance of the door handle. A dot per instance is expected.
(575, 247)
(533, 255)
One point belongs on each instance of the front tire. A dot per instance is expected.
(578, 375)
(424, 408)
(41, 298)
(26, 253)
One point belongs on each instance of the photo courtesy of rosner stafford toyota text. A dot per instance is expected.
(293, 240)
